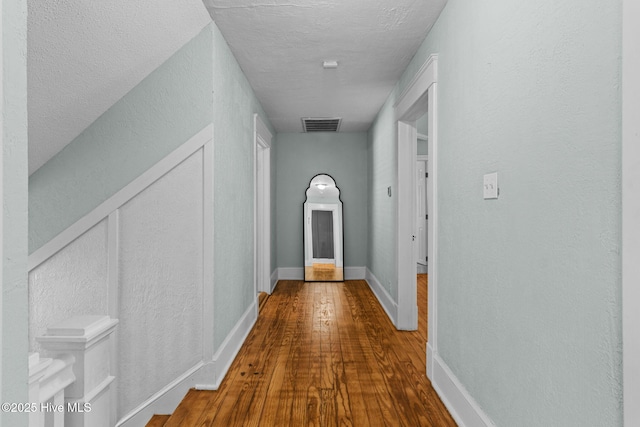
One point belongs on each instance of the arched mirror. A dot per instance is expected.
(323, 260)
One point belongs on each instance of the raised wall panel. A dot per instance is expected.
(160, 283)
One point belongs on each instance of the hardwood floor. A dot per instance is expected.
(323, 273)
(323, 354)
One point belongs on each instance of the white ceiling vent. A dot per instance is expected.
(321, 124)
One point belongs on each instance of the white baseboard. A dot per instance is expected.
(231, 346)
(430, 359)
(387, 303)
(297, 273)
(355, 273)
(163, 402)
(274, 280)
(291, 273)
(464, 410)
(200, 376)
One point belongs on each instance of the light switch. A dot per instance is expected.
(490, 186)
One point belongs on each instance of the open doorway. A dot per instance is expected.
(422, 219)
(422, 216)
(417, 100)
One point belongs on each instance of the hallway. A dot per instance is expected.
(323, 354)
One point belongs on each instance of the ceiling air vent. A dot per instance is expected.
(322, 124)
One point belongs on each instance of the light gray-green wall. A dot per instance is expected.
(13, 297)
(199, 84)
(529, 316)
(301, 156)
(234, 104)
(154, 118)
(382, 159)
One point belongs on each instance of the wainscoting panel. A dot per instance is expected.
(160, 263)
(139, 257)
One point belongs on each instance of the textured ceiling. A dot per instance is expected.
(84, 55)
(281, 46)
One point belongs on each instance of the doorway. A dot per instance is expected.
(419, 98)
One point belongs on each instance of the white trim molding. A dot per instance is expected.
(231, 346)
(355, 273)
(212, 366)
(297, 273)
(419, 98)
(262, 205)
(168, 398)
(463, 408)
(631, 210)
(165, 401)
(121, 197)
(386, 301)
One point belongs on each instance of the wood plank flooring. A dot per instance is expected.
(323, 354)
(323, 273)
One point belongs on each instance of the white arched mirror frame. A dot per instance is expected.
(336, 210)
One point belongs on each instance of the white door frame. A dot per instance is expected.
(1, 189)
(423, 158)
(262, 204)
(418, 98)
(631, 210)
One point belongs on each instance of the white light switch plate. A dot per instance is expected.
(490, 187)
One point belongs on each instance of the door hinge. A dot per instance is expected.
(426, 175)
(426, 217)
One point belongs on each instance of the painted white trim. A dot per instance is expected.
(432, 227)
(386, 301)
(336, 210)
(297, 273)
(121, 197)
(2, 124)
(168, 398)
(355, 273)
(164, 401)
(262, 204)
(204, 372)
(274, 280)
(113, 257)
(208, 253)
(630, 210)
(113, 283)
(417, 87)
(290, 273)
(231, 345)
(462, 407)
(417, 99)
(2, 286)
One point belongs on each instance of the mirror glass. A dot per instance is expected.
(323, 261)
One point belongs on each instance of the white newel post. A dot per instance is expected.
(37, 370)
(88, 339)
(47, 380)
